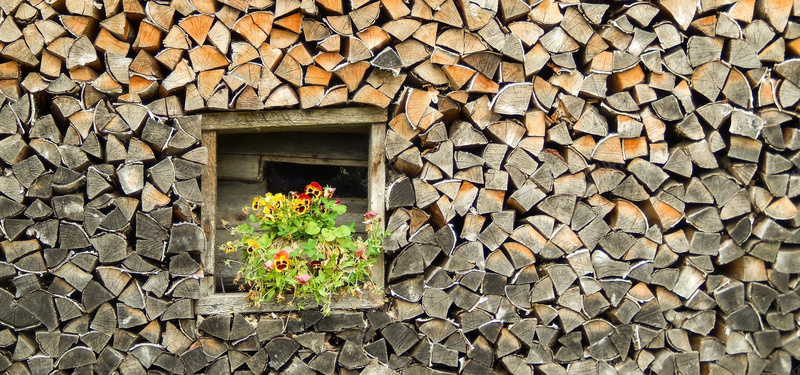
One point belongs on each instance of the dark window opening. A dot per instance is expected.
(350, 182)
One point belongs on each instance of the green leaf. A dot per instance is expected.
(244, 228)
(312, 228)
(328, 235)
(342, 231)
(264, 241)
(339, 209)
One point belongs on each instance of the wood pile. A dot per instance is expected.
(577, 187)
(628, 203)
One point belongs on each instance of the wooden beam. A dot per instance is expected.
(237, 302)
(293, 120)
(208, 212)
(377, 189)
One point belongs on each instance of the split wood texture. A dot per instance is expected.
(575, 187)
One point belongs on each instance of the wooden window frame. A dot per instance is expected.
(320, 120)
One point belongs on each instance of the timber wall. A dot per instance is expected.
(574, 187)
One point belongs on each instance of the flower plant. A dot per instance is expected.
(291, 244)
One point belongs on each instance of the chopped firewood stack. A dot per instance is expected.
(575, 187)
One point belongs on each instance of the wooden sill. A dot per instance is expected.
(237, 302)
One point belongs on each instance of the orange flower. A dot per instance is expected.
(281, 260)
(314, 190)
(301, 203)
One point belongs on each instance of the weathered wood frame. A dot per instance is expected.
(374, 119)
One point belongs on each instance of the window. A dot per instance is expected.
(251, 153)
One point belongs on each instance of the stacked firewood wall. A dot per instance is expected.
(575, 187)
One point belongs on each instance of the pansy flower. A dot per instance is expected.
(302, 279)
(328, 194)
(368, 218)
(269, 211)
(361, 253)
(228, 247)
(301, 203)
(269, 265)
(258, 202)
(316, 265)
(314, 190)
(281, 260)
(252, 245)
(277, 201)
